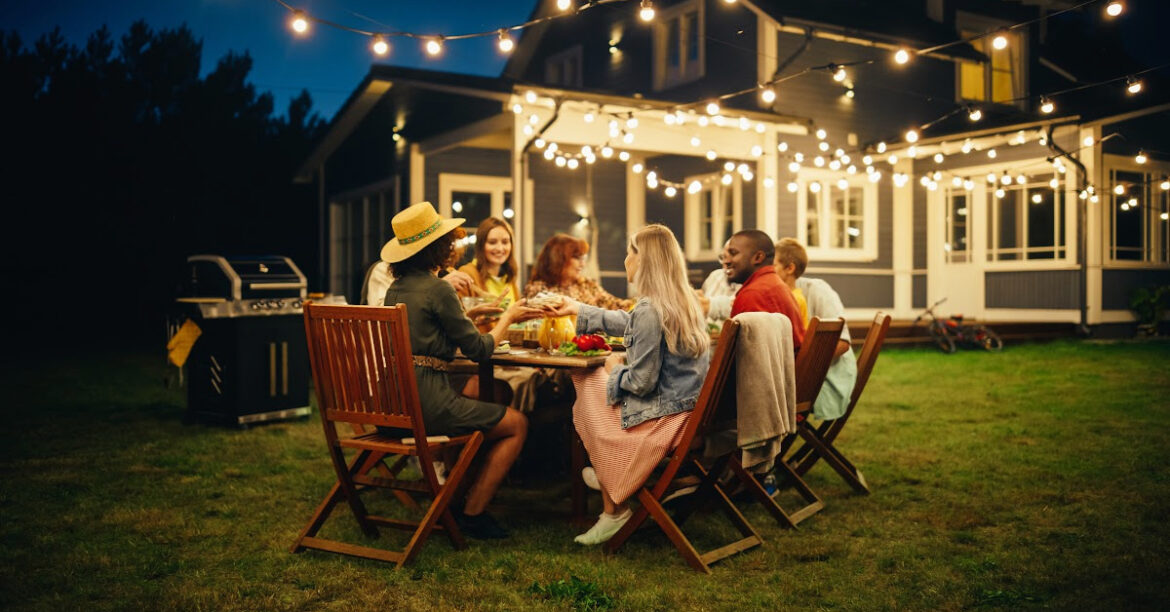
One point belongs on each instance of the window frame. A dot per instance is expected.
(559, 59)
(828, 180)
(966, 22)
(689, 70)
(1153, 171)
(1059, 247)
(712, 182)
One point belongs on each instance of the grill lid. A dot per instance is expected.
(245, 277)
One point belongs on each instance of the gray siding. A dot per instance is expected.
(1117, 285)
(671, 212)
(559, 194)
(463, 160)
(862, 290)
(1057, 289)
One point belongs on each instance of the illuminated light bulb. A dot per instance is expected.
(1119, 190)
(632, 122)
(900, 179)
(867, 160)
(1000, 42)
(839, 74)
(768, 95)
(694, 187)
(505, 42)
(703, 121)
(670, 192)
(729, 166)
(769, 182)
(530, 96)
(628, 137)
(814, 187)
(587, 151)
(725, 179)
(637, 168)
(1088, 141)
(433, 47)
(517, 109)
(528, 131)
(380, 46)
(782, 147)
(1084, 195)
(881, 147)
(999, 193)
(937, 176)
(838, 152)
(793, 187)
(793, 167)
(1165, 185)
(695, 141)
(457, 206)
(967, 146)
(1094, 199)
(1133, 85)
(563, 5)
(902, 56)
(851, 169)
(835, 165)
(589, 117)
(548, 154)
(824, 146)
(560, 162)
(711, 154)
(1054, 183)
(712, 108)
(843, 184)
(912, 136)
(1046, 106)
(299, 22)
(991, 177)
(679, 117)
(938, 158)
(669, 119)
(1141, 157)
(533, 119)
(912, 152)
(757, 151)
(846, 159)
(822, 134)
(646, 13)
(1006, 180)
(573, 163)
(968, 185)
(893, 159)
(761, 128)
(1164, 216)
(933, 186)
(849, 93)
(870, 170)
(552, 146)
(1125, 206)
(991, 153)
(1037, 198)
(974, 114)
(799, 157)
(875, 177)
(1020, 180)
(624, 156)
(509, 213)
(819, 161)
(607, 151)
(957, 182)
(1114, 9)
(1043, 141)
(539, 143)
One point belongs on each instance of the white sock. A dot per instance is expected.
(606, 527)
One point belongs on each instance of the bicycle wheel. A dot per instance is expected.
(941, 338)
(986, 339)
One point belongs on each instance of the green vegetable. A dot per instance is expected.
(570, 349)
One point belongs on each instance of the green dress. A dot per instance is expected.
(437, 328)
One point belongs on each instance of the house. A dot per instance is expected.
(602, 122)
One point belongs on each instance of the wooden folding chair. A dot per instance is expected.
(364, 376)
(812, 364)
(818, 441)
(688, 453)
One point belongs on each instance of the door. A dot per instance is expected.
(955, 251)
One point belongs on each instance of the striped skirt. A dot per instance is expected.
(622, 458)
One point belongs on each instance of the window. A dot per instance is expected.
(958, 226)
(359, 224)
(837, 215)
(1139, 217)
(564, 68)
(999, 81)
(1026, 220)
(679, 53)
(713, 214)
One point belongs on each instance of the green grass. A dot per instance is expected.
(1034, 478)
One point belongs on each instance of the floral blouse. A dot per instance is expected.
(584, 290)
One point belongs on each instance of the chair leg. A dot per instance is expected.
(438, 508)
(757, 491)
(320, 515)
(672, 531)
(834, 459)
(813, 503)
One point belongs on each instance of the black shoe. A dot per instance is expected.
(480, 526)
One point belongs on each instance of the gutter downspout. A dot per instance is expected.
(1082, 237)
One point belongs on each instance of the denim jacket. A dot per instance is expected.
(654, 382)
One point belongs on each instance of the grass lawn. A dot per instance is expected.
(1037, 477)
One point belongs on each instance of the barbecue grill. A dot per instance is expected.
(250, 364)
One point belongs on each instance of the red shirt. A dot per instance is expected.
(765, 292)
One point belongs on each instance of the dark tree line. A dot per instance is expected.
(119, 160)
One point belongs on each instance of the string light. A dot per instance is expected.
(299, 22)
(912, 136)
(974, 114)
(1141, 157)
(839, 73)
(938, 158)
(380, 46)
(1119, 190)
(1046, 105)
(670, 192)
(712, 108)
(768, 95)
(434, 46)
(991, 153)
(1165, 185)
(1000, 42)
(849, 93)
(1133, 85)
(1114, 9)
(563, 5)
(505, 43)
(822, 134)
(1088, 141)
(902, 56)
(647, 11)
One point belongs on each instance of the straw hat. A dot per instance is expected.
(415, 228)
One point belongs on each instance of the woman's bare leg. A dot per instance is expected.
(506, 439)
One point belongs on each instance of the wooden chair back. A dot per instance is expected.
(874, 339)
(814, 359)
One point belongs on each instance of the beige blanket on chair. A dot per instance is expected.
(765, 384)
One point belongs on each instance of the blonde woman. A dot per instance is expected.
(630, 415)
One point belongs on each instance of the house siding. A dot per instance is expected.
(1043, 289)
(463, 160)
(1118, 285)
(861, 290)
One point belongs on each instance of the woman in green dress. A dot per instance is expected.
(422, 242)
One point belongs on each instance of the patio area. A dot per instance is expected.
(1036, 477)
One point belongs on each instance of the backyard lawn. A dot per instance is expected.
(1033, 478)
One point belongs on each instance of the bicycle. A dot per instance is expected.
(949, 333)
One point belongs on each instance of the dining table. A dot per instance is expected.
(540, 358)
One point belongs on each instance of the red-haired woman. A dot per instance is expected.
(560, 269)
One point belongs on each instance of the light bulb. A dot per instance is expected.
(607, 151)
(1088, 141)
(624, 155)
(636, 168)
(814, 187)
(530, 96)
(1133, 85)
(974, 114)
(729, 166)
(694, 187)
(912, 136)
(824, 146)
(434, 47)
(725, 179)
(1037, 198)
(938, 158)
(822, 134)
(1000, 42)
(632, 122)
(793, 187)
(849, 93)
(757, 151)
(991, 153)
(881, 147)
(563, 5)
(1141, 157)
(299, 22)
(647, 11)
(712, 108)
(380, 46)
(999, 193)
(839, 74)
(711, 154)
(902, 56)
(768, 95)
(1046, 106)
(509, 213)
(1165, 185)
(1119, 190)
(670, 192)
(1114, 9)
(505, 42)
(793, 167)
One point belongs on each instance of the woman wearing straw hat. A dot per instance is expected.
(422, 242)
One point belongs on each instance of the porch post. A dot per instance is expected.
(522, 221)
(767, 196)
(903, 242)
(1094, 230)
(635, 201)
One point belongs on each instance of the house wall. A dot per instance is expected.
(1045, 289)
(1117, 285)
(463, 160)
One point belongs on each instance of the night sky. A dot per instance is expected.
(328, 62)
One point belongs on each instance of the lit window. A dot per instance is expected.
(1139, 217)
(999, 81)
(678, 45)
(713, 214)
(1027, 222)
(837, 215)
(958, 226)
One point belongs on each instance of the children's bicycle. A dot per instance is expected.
(950, 333)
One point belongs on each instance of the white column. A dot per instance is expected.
(521, 200)
(1095, 226)
(635, 201)
(768, 198)
(417, 175)
(903, 241)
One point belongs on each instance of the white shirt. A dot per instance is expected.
(721, 293)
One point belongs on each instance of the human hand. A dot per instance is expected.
(461, 282)
(614, 360)
(483, 312)
(521, 311)
(704, 301)
(566, 307)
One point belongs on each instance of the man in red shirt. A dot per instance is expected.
(747, 260)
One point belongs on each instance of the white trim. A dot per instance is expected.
(1116, 316)
(828, 180)
(1018, 47)
(1155, 170)
(691, 214)
(1094, 232)
(417, 175)
(903, 248)
(659, 38)
(635, 203)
